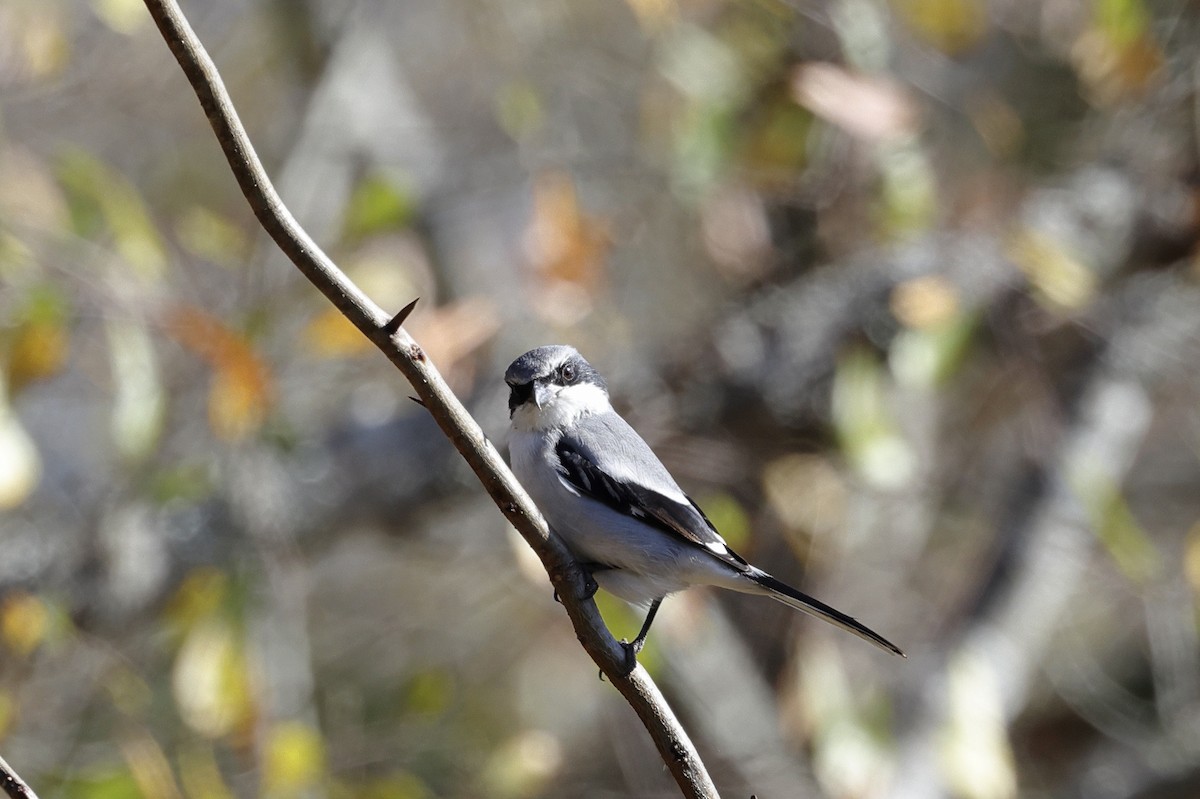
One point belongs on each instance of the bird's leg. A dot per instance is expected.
(633, 648)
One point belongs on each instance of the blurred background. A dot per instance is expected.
(906, 294)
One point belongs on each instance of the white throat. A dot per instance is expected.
(566, 407)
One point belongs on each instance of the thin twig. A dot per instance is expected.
(13, 785)
(567, 577)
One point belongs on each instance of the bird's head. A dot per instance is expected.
(552, 386)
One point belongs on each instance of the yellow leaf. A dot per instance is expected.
(1059, 277)
(523, 765)
(200, 774)
(8, 714)
(295, 759)
(32, 34)
(199, 597)
(952, 26)
(1114, 524)
(123, 16)
(149, 767)
(24, 621)
(384, 269)
(429, 692)
(210, 680)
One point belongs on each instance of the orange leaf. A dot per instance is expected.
(38, 350)
(566, 247)
(242, 391)
(331, 335)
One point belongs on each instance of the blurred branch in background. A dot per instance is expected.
(677, 751)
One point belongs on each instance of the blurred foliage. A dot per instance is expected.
(376, 206)
(904, 293)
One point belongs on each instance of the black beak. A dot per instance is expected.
(519, 395)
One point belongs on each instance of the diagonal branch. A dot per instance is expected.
(385, 332)
(12, 783)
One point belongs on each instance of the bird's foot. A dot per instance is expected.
(590, 587)
(632, 650)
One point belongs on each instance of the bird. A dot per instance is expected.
(617, 507)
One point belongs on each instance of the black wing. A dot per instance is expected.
(685, 521)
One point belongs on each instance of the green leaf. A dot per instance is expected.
(729, 517)
(378, 205)
(1124, 21)
(519, 109)
(102, 200)
(868, 433)
(927, 357)
(103, 783)
(429, 692)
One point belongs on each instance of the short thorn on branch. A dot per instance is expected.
(396, 321)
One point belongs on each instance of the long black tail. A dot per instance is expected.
(803, 602)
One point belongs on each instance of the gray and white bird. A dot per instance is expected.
(604, 491)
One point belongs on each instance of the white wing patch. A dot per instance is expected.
(719, 547)
(567, 484)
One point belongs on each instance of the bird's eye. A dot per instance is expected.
(568, 373)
